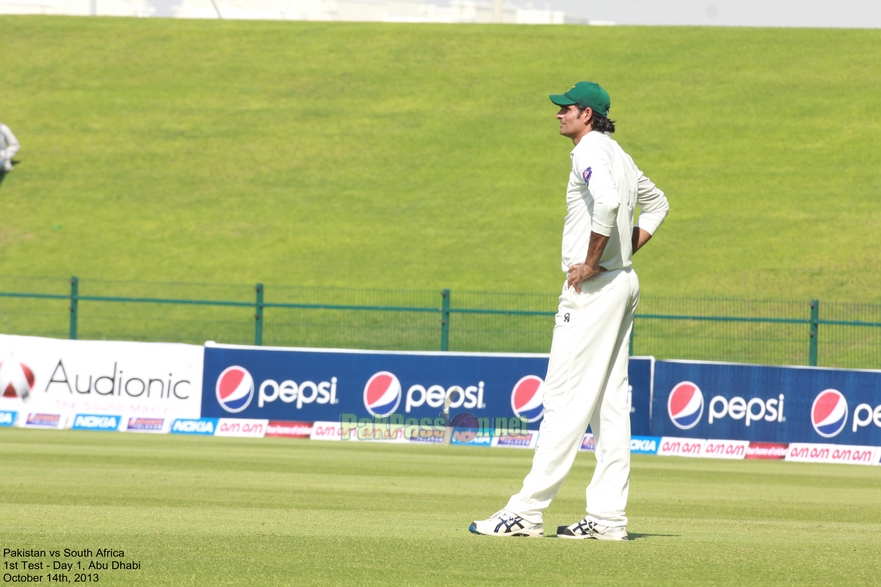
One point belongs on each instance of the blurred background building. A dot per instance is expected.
(761, 13)
(452, 11)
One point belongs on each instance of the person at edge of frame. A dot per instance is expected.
(8, 148)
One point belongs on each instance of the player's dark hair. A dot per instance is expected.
(600, 122)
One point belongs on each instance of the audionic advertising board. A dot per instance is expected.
(100, 378)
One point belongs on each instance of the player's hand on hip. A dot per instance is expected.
(581, 272)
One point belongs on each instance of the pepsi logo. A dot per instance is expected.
(235, 389)
(382, 394)
(829, 413)
(685, 405)
(16, 379)
(527, 398)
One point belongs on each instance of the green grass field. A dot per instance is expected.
(213, 511)
(345, 155)
(421, 157)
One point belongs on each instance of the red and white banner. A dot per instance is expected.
(327, 431)
(288, 429)
(832, 453)
(725, 449)
(67, 377)
(382, 433)
(241, 428)
(681, 447)
(767, 450)
(366, 432)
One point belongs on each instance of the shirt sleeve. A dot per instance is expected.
(594, 171)
(653, 204)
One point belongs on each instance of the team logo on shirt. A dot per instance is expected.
(586, 174)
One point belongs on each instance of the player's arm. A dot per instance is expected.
(591, 266)
(640, 237)
(654, 208)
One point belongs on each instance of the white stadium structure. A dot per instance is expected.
(454, 11)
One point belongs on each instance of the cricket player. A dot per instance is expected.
(586, 381)
(8, 148)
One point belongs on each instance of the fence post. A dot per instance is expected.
(258, 316)
(74, 301)
(815, 323)
(445, 320)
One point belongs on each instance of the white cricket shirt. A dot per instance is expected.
(605, 188)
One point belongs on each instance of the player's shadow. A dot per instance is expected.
(634, 536)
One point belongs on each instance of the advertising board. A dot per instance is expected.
(99, 379)
(503, 391)
(766, 404)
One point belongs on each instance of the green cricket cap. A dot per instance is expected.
(586, 95)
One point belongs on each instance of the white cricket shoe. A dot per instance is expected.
(504, 523)
(587, 530)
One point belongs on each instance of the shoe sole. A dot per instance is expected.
(606, 538)
(524, 534)
(609, 537)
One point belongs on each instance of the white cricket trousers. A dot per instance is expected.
(586, 384)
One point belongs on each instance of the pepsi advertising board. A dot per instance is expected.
(326, 385)
(772, 404)
(640, 372)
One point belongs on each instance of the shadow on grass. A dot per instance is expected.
(631, 536)
(635, 536)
